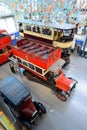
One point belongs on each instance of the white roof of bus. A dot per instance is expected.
(64, 26)
(56, 25)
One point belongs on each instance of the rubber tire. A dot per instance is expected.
(61, 97)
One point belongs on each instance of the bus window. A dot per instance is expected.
(25, 63)
(19, 60)
(39, 70)
(31, 66)
(2, 50)
(4, 34)
(36, 29)
(0, 35)
(28, 27)
(46, 31)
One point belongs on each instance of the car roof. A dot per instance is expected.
(14, 90)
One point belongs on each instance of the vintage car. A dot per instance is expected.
(18, 99)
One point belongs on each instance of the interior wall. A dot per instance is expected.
(48, 9)
(8, 2)
(13, 18)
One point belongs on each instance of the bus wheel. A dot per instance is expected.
(61, 96)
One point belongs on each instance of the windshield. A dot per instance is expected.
(3, 34)
(65, 35)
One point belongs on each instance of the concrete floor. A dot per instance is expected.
(69, 115)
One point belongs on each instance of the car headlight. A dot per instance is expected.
(72, 85)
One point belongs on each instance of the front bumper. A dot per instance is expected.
(72, 86)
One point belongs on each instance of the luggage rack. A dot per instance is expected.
(36, 52)
(36, 48)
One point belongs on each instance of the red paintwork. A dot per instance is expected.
(63, 82)
(4, 57)
(29, 51)
(4, 41)
(27, 108)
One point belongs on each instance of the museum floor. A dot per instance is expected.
(69, 115)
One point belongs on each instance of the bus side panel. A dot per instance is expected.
(5, 40)
(4, 56)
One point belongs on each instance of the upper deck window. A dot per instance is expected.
(2, 51)
(28, 27)
(36, 29)
(46, 31)
(3, 34)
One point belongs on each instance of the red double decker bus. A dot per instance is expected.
(5, 48)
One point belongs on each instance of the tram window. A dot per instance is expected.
(2, 51)
(39, 70)
(67, 32)
(33, 28)
(25, 63)
(21, 30)
(36, 29)
(28, 27)
(46, 31)
(31, 66)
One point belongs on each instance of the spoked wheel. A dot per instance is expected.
(61, 96)
(28, 76)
